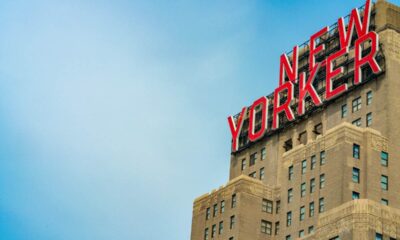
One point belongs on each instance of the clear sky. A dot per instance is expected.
(113, 113)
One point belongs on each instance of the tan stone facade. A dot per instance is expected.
(332, 175)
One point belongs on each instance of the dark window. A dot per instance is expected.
(322, 158)
(356, 151)
(321, 181)
(206, 234)
(290, 195)
(266, 227)
(267, 206)
(278, 207)
(311, 209)
(356, 175)
(243, 164)
(303, 166)
(215, 210)
(302, 213)
(263, 153)
(369, 98)
(232, 223)
(288, 145)
(318, 129)
(253, 159)
(310, 229)
(357, 122)
(276, 228)
(384, 201)
(369, 119)
(288, 219)
(384, 159)
(213, 231)
(290, 173)
(301, 233)
(303, 189)
(355, 195)
(221, 228)
(356, 104)
(344, 110)
(222, 206)
(303, 138)
(262, 173)
(233, 203)
(253, 175)
(378, 236)
(208, 213)
(321, 205)
(384, 182)
(288, 237)
(313, 162)
(312, 185)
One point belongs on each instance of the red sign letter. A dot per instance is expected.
(360, 61)
(345, 38)
(235, 129)
(264, 111)
(331, 73)
(315, 50)
(285, 67)
(305, 88)
(278, 108)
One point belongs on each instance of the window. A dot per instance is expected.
(303, 189)
(357, 122)
(355, 195)
(253, 175)
(290, 195)
(243, 164)
(344, 110)
(313, 162)
(290, 173)
(303, 138)
(369, 119)
(356, 151)
(267, 206)
(321, 181)
(311, 209)
(213, 231)
(277, 228)
(335, 238)
(384, 159)
(288, 237)
(321, 205)
(206, 234)
(222, 206)
(378, 236)
(266, 227)
(278, 206)
(288, 219)
(384, 182)
(302, 213)
(356, 175)
(262, 173)
(208, 213)
(301, 233)
(310, 229)
(312, 185)
(322, 158)
(356, 104)
(384, 201)
(253, 159)
(369, 98)
(318, 129)
(231, 238)
(233, 204)
(221, 228)
(263, 153)
(288, 145)
(303, 166)
(232, 223)
(215, 210)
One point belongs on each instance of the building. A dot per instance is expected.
(333, 173)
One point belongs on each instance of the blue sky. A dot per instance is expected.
(113, 113)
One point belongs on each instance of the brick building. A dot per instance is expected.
(333, 173)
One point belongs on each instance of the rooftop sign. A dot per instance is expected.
(356, 35)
